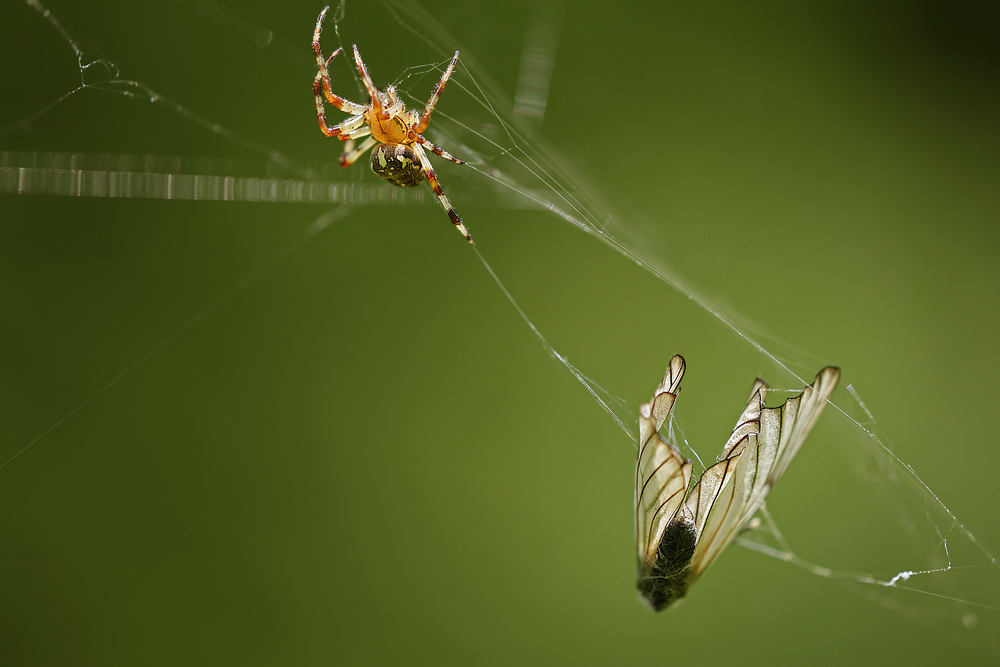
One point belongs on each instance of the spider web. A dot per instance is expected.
(936, 572)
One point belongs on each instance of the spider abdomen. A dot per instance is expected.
(398, 164)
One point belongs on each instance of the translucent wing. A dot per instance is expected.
(763, 443)
(661, 473)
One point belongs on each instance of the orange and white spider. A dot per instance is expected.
(399, 155)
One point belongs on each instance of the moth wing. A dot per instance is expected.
(763, 443)
(749, 421)
(661, 473)
(716, 502)
(785, 427)
(782, 431)
(662, 403)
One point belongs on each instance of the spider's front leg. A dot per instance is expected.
(376, 99)
(425, 118)
(321, 87)
(442, 197)
(351, 128)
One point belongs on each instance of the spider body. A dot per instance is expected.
(397, 127)
(398, 164)
(399, 154)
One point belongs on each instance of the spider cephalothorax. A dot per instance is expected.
(394, 132)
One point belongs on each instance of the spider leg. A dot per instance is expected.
(437, 150)
(346, 127)
(322, 83)
(362, 131)
(431, 103)
(350, 154)
(322, 80)
(369, 85)
(442, 197)
(350, 127)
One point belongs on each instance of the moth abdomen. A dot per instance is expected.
(666, 578)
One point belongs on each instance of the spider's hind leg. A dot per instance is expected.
(442, 197)
(437, 150)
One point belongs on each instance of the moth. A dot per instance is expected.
(679, 534)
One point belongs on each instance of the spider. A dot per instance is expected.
(398, 155)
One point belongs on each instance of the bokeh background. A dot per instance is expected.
(365, 457)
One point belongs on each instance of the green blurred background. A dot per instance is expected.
(365, 457)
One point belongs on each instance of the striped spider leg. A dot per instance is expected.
(393, 133)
